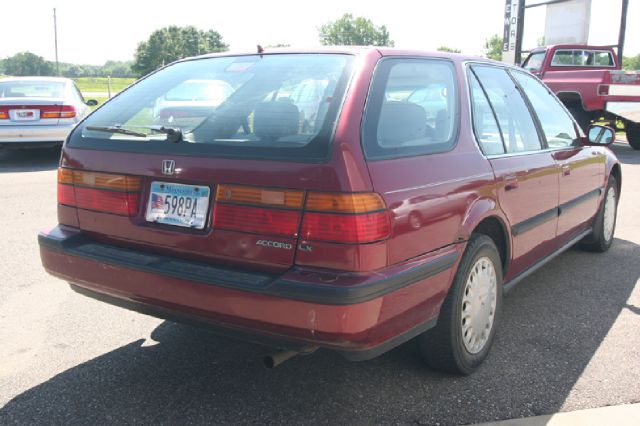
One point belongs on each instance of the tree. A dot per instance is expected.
(350, 31)
(26, 63)
(493, 47)
(172, 43)
(449, 49)
(631, 63)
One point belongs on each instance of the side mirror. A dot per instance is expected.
(91, 102)
(600, 135)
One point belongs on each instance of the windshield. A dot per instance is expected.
(534, 61)
(31, 89)
(244, 106)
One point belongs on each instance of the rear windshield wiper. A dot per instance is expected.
(115, 129)
(174, 134)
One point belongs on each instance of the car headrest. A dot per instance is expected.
(401, 122)
(274, 120)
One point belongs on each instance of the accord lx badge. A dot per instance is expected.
(274, 244)
(168, 167)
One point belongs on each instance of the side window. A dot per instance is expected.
(556, 123)
(603, 59)
(484, 123)
(412, 108)
(517, 127)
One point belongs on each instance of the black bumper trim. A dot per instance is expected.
(263, 283)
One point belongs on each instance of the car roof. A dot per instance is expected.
(355, 50)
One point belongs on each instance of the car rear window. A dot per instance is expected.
(32, 89)
(237, 106)
(411, 109)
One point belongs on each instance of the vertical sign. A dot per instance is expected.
(510, 31)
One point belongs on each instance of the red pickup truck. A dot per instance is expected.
(590, 82)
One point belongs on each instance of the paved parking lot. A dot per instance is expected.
(569, 340)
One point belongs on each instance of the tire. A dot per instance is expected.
(581, 116)
(604, 225)
(633, 134)
(445, 347)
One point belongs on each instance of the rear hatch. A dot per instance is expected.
(20, 111)
(233, 185)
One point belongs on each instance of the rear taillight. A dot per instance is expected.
(103, 192)
(339, 218)
(603, 89)
(4, 113)
(57, 111)
(258, 210)
(345, 218)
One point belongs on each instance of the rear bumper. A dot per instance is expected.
(24, 135)
(627, 110)
(359, 315)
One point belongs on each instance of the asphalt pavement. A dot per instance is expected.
(568, 341)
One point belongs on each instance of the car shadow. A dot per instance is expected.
(553, 324)
(29, 160)
(625, 153)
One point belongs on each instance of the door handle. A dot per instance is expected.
(510, 182)
(566, 170)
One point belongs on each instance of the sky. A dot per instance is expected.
(91, 32)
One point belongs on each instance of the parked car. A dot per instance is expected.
(306, 237)
(590, 81)
(39, 111)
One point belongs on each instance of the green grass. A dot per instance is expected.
(99, 84)
(100, 99)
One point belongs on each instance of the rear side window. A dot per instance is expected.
(517, 128)
(281, 106)
(411, 109)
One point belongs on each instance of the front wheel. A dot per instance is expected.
(605, 223)
(633, 134)
(466, 327)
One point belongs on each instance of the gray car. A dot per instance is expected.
(39, 111)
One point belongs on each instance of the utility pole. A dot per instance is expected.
(55, 38)
(623, 28)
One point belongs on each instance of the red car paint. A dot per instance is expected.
(434, 203)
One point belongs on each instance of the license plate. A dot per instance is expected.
(25, 114)
(177, 204)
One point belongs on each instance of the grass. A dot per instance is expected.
(99, 84)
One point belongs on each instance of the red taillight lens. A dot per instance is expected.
(57, 111)
(121, 203)
(4, 113)
(346, 228)
(258, 220)
(102, 192)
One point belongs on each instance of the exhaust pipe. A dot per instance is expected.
(274, 360)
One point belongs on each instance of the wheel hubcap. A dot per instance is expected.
(609, 214)
(479, 305)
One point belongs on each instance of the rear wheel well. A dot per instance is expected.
(493, 228)
(615, 172)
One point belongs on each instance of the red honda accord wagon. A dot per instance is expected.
(346, 198)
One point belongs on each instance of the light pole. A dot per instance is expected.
(55, 38)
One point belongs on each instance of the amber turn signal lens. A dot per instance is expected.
(344, 203)
(260, 196)
(99, 180)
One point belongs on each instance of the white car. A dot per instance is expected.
(39, 111)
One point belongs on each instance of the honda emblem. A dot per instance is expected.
(168, 167)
